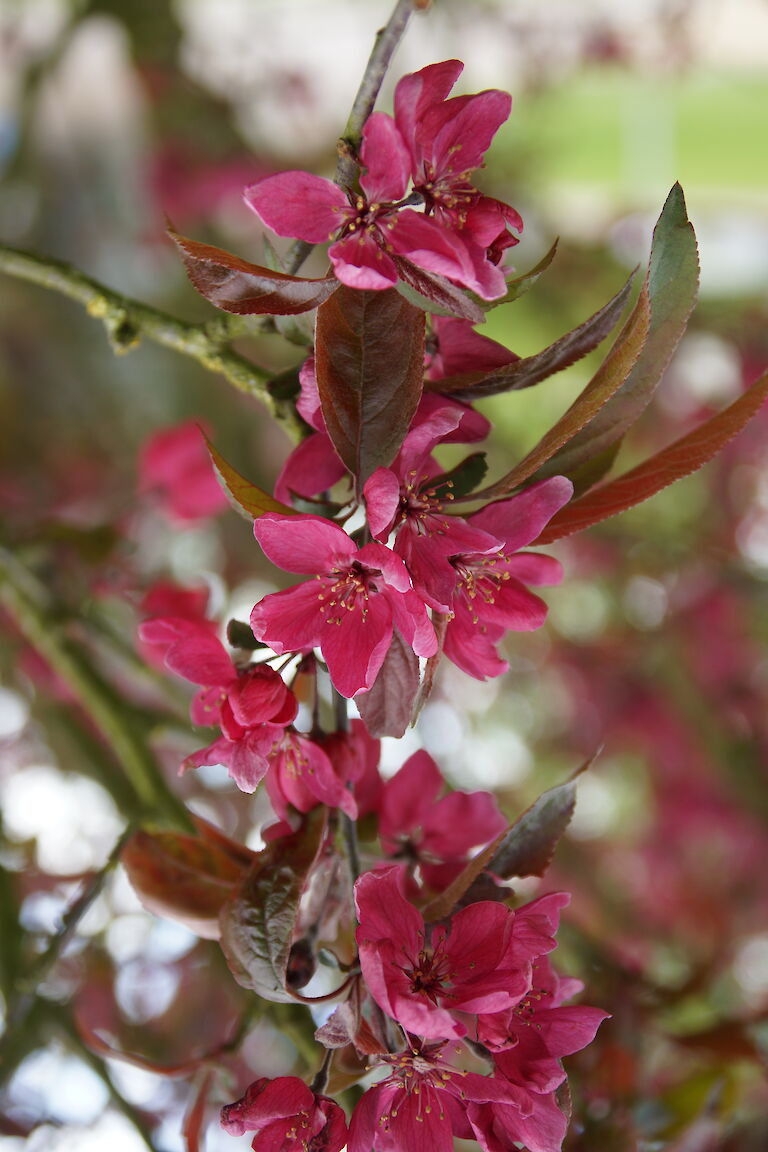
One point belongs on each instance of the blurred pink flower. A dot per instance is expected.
(175, 468)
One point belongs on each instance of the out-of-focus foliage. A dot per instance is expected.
(115, 115)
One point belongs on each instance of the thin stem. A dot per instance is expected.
(26, 601)
(21, 1008)
(387, 40)
(101, 1069)
(320, 1082)
(340, 711)
(127, 321)
(89, 892)
(347, 824)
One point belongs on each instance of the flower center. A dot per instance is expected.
(362, 218)
(421, 506)
(451, 193)
(346, 590)
(430, 973)
(481, 576)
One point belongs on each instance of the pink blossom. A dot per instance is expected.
(355, 758)
(286, 1116)
(421, 1105)
(533, 1120)
(252, 706)
(531, 1038)
(349, 610)
(236, 699)
(415, 826)
(164, 598)
(446, 140)
(403, 499)
(301, 776)
(458, 348)
(421, 975)
(491, 597)
(370, 229)
(174, 465)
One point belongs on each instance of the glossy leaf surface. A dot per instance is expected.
(247, 289)
(245, 498)
(686, 455)
(369, 357)
(386, 708)
(258, 925)
(530, 370)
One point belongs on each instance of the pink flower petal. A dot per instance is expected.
(201, 658)
(359, 261)
(472, 426)
(520, 519)
(513, 608)
(411, 619)
(407, 799)
(265, 1101)
(354, 649)
(382, 500)
(385, 158)
(383, 911)
(378, 557)
(429, 246)
(472, 647)
(311, 468)
(308, 403)
(248, 762)
(534, 568)
(290, 621)
(461, 349)
(461, 129)
(306, 544)
(416, 92)
(259, 696)
(460, 822)
(299, 204)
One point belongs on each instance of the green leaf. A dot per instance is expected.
(607, 380)
(244, 497)
(529, 845)
(247, 289)
(686, 455)
(669, 291)
(240, 635)
(532, 370)
(520, 285)
(463, 478)
(258, 926)
(369, 356)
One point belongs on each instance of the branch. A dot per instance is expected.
(26, 601)
(70, 1034)
(387, 40)
(23, 1005)
(127, 321)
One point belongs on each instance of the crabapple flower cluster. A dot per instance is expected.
(446, 1003)
(433, 144)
